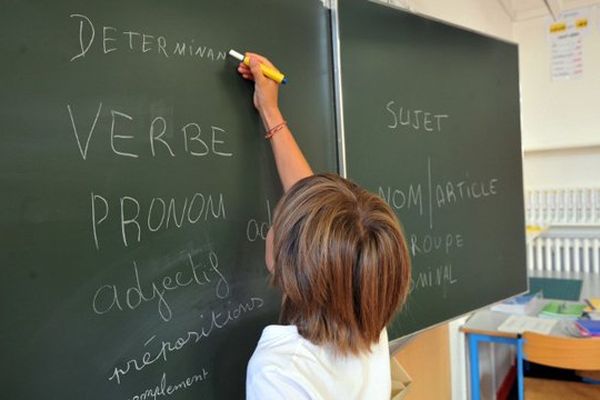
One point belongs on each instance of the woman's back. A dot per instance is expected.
(340, 259)
(287, 366)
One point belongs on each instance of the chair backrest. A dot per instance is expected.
(562, 352)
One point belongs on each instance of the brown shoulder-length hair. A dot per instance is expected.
(341, 261)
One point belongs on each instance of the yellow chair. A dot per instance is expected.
(561, 352)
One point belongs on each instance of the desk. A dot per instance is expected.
(483, 325)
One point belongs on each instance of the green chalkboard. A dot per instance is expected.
(136, 189)
(431, 116)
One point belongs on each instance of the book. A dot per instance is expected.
(522, 323)
(520, 305)
(588, 327)
(562, 310)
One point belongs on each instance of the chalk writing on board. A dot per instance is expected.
(399, 198)
(431, 277)
(164, 389)
(427, 244)
(258, 229)
(110, 297)
(440, 194)
(111, 40)
(216, 320)
(158, 214)
(452, 192)
(436, 196)
(196, 141)
(414, 120)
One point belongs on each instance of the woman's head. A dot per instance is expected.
(341, 260)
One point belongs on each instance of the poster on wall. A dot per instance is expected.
(566, 44)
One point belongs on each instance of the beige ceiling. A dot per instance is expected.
(519, 10)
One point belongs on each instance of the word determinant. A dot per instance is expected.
(113, 40)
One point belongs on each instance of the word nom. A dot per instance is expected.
(418, 120)
(113, 40)
(154, 215)
(218, 320)
(408, 198)
(193, 142)
(167, 390)
(110, 297)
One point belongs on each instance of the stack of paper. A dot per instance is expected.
(520, 305)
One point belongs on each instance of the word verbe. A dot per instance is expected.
(196, 142)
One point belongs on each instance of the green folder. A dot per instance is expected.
(562, 310)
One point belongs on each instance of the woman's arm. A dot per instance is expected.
(291, 164)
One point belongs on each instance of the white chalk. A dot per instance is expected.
(237, 55)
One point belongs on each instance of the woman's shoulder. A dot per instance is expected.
(276, 347)
(270, 373)
(283, 358)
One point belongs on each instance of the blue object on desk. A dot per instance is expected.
(556, 288)
(591, 327)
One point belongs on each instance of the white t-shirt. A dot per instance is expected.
(287, 366)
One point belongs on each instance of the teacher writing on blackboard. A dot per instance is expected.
(339, 256)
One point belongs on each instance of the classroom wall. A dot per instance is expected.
(488, 17)
(430, 380)
(560, 119)
(562, 113)
(576, 167)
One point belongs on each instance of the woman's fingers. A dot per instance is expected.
(255, 68)
(261, 59)
(245, 71)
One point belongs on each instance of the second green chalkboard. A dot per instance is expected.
(432, 125)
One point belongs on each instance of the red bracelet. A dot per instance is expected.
(274, 130)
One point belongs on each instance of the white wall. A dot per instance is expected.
(559, 114)
(562, 113)
(486, 16)
(577, 167)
